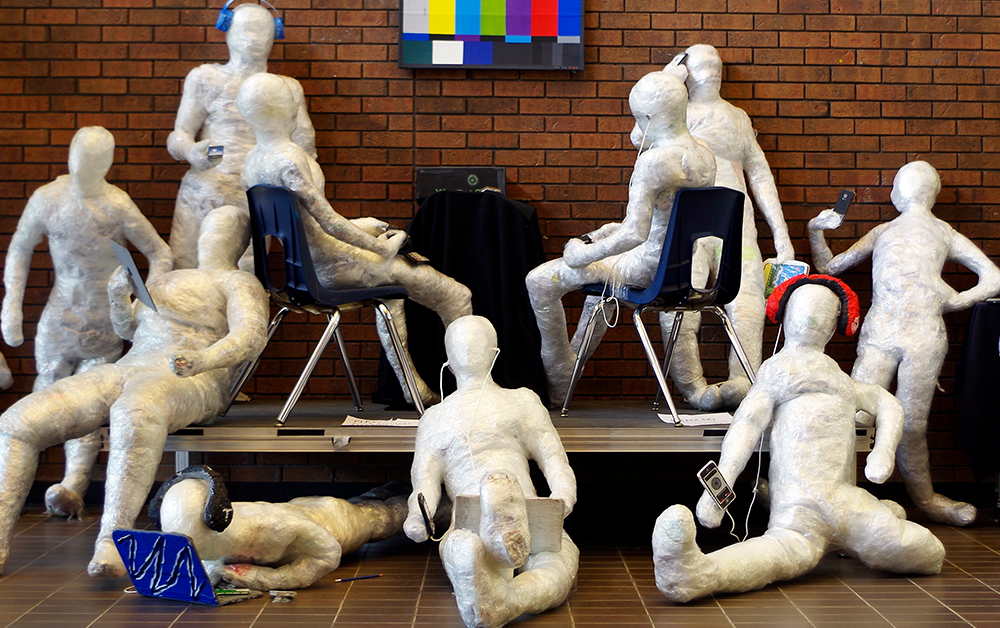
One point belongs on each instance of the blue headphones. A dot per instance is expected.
(226, 19)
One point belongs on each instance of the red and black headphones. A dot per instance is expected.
(850, 310)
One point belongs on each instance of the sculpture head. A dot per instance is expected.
(267, 104)
(916, 185)
(471, 345)
(824, 305)
(659, 105)
(251, 35)
(196, 494)
(704, 72)
(224, 236)
(91, 154)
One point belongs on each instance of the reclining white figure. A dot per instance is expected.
(266, 546)
(208, 321)
(207, 116)
(740, 165)
(80, 213)
(810, 405)
(478, 441)
(347, 253)
(626, 252)
(904, 335)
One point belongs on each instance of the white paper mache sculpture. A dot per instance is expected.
(208, 117)
(266, 546)
(477, 443)
(741, 165)
(809, 404)
(347, 253)
(180, 370)
(904, 335)
(80, 213)
(626, 252)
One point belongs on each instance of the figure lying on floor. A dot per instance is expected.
(266, 546)
(810, 404)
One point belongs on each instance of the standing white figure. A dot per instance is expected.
(904, 336)
(207, 116)
(626, 252)
(80, 213)
(810, 404)
(179, 371)
(347, 253)
(265, 546)
(740, 165)
(478, 441)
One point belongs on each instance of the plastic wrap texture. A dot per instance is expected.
(179, 372)
(625, 252)
(207, 117)
(809, 404)
(347, 253)
(903, 336)
(478, 441)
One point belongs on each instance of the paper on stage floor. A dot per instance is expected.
(699, 420)
(353, 421)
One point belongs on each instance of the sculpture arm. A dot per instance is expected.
(426, 476)
(247, 312)
(122, 309)
(751, 419)
(889, 417)
(823, 258)
(963, 251)
(765, 194)
(191, 115)
(304, 134)
(547, 450)
(141, 233)
(319, 553)
(29, 233)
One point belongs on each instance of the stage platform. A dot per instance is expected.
(316, 425)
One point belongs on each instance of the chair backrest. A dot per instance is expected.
(697, 213)
(274, 213)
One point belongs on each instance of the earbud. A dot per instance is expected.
(441, 378)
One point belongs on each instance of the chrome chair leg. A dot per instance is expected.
(675, 331)
(397, 342)
(331, 327)
(251, 366)
(735, 340)
(651, 355)
(348, 371)
(584, 348)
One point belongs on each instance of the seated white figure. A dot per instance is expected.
(184, 355)
(266, 546)
(626, 252)
(809, 404)
(347, 253)
(478, 441)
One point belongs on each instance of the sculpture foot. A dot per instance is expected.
(709, 399)
(107, 563)
(480, 588)
(940, 509)
(503, 525)
(734, 390)
(678, 563)
(895, 508)
(64, 502)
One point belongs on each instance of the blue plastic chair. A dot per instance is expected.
(696, 213)
(274, 214)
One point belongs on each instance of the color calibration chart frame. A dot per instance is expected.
(501, 34)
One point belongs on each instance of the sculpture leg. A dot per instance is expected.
(747, 313)
(398, 313)
(600, 326)
(433, 290)
(684, 573)
(685, 364)
(881, 539)
(545, 290)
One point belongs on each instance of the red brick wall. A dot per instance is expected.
(843, 92)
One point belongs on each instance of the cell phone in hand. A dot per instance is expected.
(843, 202)
(428, 522)
(682, 58)
(716, 485)
(215, 152)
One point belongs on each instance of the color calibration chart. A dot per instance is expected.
(513, 34)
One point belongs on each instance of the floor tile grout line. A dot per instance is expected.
(794, 605)
(635, 587)
(343, 600)
(420, 591)
(942, 602)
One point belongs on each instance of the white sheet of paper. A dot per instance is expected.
(700, 420)
(353, 421)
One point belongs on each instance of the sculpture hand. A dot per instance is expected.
(197, 155)
(13, 318)
(784, 251)
(371, 226)
(709, 513)
(390, 242)
(120, 285)
(575, 253)
(186, 364)
(414, 526)
(827, 219)
(677, 68)
(879, 466)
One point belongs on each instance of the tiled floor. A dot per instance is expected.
(45, 584)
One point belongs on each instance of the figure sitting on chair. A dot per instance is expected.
(208, 321)
(810, 404)
(478, 441)
(627, 252)
(347, 253)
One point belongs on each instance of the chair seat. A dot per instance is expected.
(330, 298)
